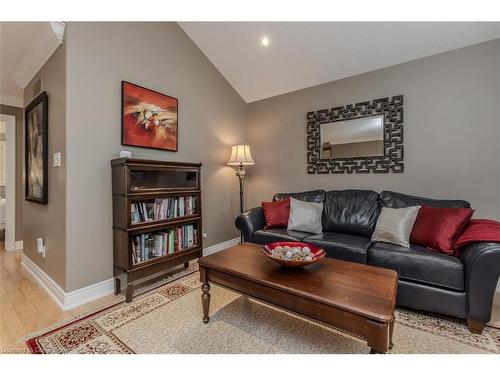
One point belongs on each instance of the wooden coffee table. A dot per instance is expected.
(354, 297)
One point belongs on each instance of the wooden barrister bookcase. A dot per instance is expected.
(152, 187)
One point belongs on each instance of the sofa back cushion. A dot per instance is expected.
(351, 211)
(392, 199)
(316, 196)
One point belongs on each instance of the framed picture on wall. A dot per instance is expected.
(36, 117)
(149, 118)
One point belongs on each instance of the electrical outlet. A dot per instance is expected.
(56, 159)
(204, 235)
(40, 246)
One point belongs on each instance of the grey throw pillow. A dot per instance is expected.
(305, 216)
(394, 225)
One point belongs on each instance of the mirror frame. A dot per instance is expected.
(391, 161)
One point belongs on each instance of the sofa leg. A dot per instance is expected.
(475, 326)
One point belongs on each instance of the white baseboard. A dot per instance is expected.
(18, 245)
(220, 246)
(67, 300)
(70, 300)
(89, 293)
(54, 290)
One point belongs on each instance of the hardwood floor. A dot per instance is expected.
(26, 307)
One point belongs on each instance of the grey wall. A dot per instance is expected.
(452, 130)
(159, 56)
(19, 115)
(49, 221)
(452, 136)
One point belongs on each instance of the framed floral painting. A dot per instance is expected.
(36, 116)
(149, 118)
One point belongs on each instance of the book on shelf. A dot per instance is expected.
(162, 209)
(156, 244)
(134, 214)
(141, 212)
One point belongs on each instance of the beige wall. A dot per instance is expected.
(451, 139)
(3, 157)
(159, 56)
(452, 135)
(19, 114)
(49, 221)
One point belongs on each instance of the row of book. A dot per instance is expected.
(152, 245)
(162, 209)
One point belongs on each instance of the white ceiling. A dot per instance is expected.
(304, 54)
(14, 38)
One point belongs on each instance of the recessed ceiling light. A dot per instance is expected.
(265, 41)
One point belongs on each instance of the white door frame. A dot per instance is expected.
(10, 186)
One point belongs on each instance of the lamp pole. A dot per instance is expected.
(241, 173)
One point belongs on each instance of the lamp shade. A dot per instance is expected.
(240, 155)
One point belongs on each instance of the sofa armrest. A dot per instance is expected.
(482, 270)
(250, 221)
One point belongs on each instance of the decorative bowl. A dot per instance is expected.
(316, 253)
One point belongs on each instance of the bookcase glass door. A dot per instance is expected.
(163, 179)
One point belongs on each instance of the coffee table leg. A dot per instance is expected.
(391, 330)
(205, 301)
(378, 336)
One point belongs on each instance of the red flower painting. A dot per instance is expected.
(149, 119)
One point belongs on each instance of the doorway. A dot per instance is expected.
(8, 179)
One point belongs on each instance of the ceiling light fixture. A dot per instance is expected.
(265, 41)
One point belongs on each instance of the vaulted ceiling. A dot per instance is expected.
(24, 48)
(304, 54)
(14, 38)
(298, 54)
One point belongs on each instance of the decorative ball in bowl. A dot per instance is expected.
(293, 254)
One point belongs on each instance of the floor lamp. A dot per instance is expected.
(241, 157)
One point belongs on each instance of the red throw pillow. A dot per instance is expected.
(439, 228)
(479, 230)
(276, 213)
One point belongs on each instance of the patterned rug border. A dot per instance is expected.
(31, 339)
(495, 325)
(429, 330)
(35, 348)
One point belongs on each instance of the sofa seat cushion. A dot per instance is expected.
(265, 236)
(342, 246)
(418, 264)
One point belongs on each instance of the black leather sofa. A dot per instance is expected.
(461, 287)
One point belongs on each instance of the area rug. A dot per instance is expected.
(168, 320)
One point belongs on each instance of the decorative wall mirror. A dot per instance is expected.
(353, 138)
(360, 138)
